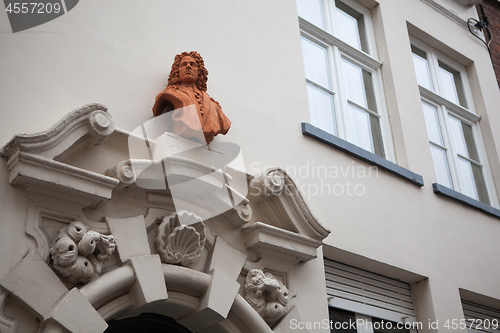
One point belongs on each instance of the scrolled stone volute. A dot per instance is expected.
(101, 123)
(244, 211)
(181, 243)
(78, 254)
(124, 172)
(268, 183)
(267, 295)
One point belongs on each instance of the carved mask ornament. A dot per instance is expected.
(267, 295)
(78, 254)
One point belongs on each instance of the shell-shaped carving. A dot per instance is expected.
(78, 253)
(181, 244)
(267, 295)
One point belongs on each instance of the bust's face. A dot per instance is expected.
(188, 71)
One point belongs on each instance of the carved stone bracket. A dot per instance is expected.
(78, 253)
(267, 295)
(181, 243)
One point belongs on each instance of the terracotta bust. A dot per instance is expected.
(187, 85)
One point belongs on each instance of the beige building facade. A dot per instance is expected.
(358, 183)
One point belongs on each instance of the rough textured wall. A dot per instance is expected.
(491, 9)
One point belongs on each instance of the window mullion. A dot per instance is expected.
(438, 145)
(470, 160)
(328, 13)
(320, 87)
(373, 113)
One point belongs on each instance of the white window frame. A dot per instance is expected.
(466, 114)
(338, 49)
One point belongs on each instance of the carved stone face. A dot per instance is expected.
(188, 71)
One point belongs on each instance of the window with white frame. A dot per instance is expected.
(365, 302)
(343, 74)
(452, 124)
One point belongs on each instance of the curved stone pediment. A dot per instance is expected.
(276, 193)
(36, 161)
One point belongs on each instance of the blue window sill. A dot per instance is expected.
(364, 155)
(463, 199)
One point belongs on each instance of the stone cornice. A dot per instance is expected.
(446, 12)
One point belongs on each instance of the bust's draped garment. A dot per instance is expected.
(213, 121)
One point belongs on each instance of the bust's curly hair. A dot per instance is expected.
(201, 82)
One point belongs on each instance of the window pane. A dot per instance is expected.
(451, 84)
(315, 63)
(369, 92)
(470, 174)
(353, 78)
(441, 166)
(482, 193)
(386, 326)
(338, 317)
(457, 136)
(359, 85)
(321, 108)
(466, 177)
(312, 11)
(469, 142)
(377, 136)
(432, 122)
(361, 128)
(422, 68)
(349, 26)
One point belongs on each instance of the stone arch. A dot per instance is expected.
(111, 295)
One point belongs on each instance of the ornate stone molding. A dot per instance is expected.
(36, 161)
(271, 182)
(78, 253)
(448, 13)
(263, 240)
(123, 171)
(244, 211)
(181, 243)
(91, 120)
(279, 197)
(267, 295)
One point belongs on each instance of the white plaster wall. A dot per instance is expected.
(119, 53)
